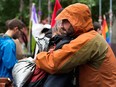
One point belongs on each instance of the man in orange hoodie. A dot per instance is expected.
(88, 50)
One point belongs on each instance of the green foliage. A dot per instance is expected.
(7, 11)
(90, 3)
(10, 9)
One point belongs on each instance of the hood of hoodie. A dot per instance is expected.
(79, 15)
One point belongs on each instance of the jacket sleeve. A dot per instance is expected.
(77, 52)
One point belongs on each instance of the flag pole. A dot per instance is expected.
(110, 16)
(39, 13)
(100, 11)
(49, 10)
(30, 36)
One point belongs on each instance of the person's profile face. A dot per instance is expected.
(17, 33)
(67, 27)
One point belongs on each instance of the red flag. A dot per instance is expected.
(57, 6)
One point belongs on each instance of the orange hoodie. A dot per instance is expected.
(89, 51)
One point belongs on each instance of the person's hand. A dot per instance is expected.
(51, 49)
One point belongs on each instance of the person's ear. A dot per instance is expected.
(15, 28)
(97, 29)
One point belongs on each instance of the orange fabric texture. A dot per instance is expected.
(53, 62)
(85, 51)
(105, 76)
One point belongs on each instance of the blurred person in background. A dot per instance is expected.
(97, 27)
(8, 47)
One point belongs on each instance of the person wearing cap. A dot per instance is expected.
(88, 50)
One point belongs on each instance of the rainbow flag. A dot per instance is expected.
(105, 31)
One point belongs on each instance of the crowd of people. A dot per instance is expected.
(71, 54)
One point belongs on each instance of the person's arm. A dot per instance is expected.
(19, 50)
(77, 52)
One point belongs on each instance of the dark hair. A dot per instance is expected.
(11, 24)
(96, 25)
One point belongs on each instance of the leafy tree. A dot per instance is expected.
(11, 8)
